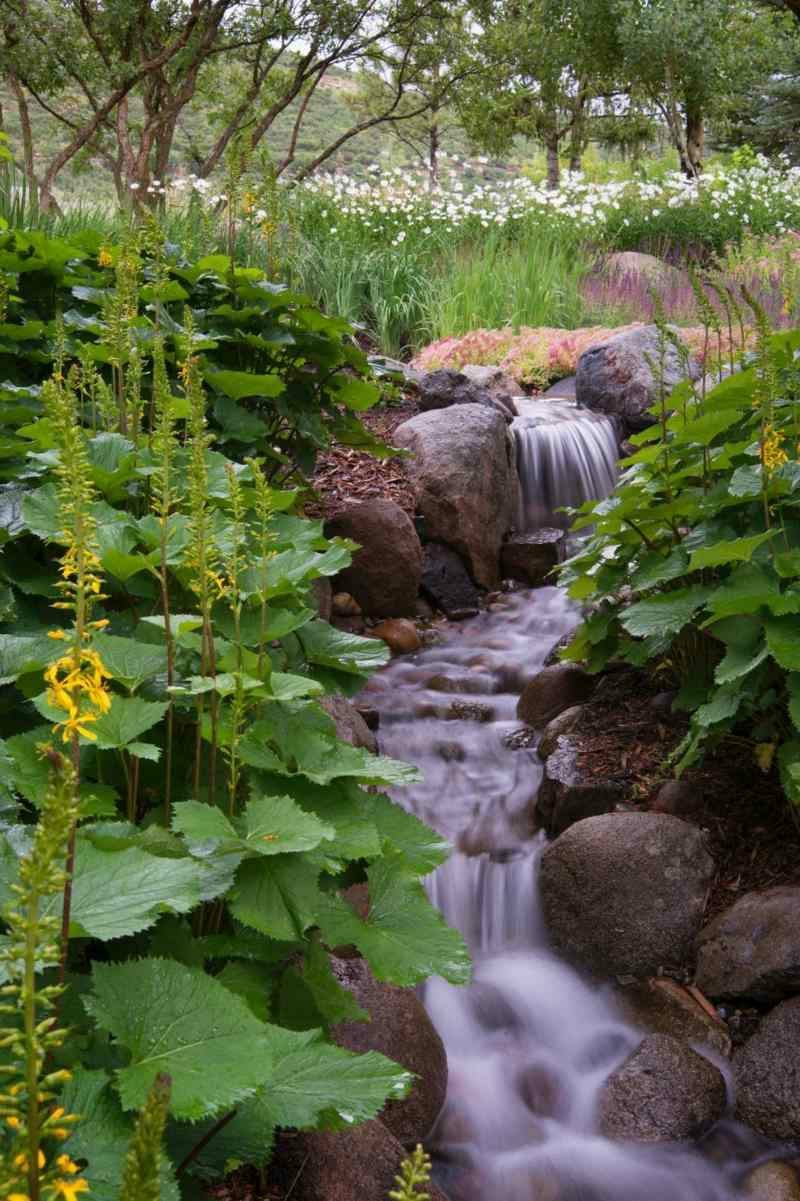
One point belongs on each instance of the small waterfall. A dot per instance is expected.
(565, 455)
(529, 1043)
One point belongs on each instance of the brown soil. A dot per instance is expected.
(627, 731)
(343, 474)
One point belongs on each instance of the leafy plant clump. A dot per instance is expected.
(693, 564)
(180, 820)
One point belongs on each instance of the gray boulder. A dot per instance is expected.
(752, 950)
(663, 1092)
(350, 725)
(623, 894)
(482, 386)
(446, 581)
(563, 724)
(567, 794)
(465, 483)
(385, 574)
(767, 1075)
(773, 1181)
(616, 378)
(551, 691)
(662, 1006)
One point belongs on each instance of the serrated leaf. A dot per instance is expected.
(403, 937)
(656, 568)
(202, 823)
(127, 719)
(422, 847)
(176, 1019)
(272, 825)
(746, 590)
(723, 705)
(737, 550)
(30, 775)
(252, 982)
(324, 644)
(783, 640)
(334, 1003)
(789, 763)
(22, 653)
(793, 689)
(278, 896)
(129, 661)
(664, 614)
(287, 687)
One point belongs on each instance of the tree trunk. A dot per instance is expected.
(433, 153)
(553, 164)
(695, 140)
(27, 136)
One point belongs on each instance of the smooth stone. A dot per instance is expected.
(678, 798)
(386, 570)
(767, 1074)
(345, 605)
(399, 634)
(752, 949)
(563, 724)
(553, 690)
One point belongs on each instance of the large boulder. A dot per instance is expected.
(567, 793)
(773, 1181)
(623, 894)
(767, 1075)
(616, 377)
(483, 386)
(446, 581)
(662, 1006)
(341, 1165)
(465, 483)
(663, 1092)
(752, 950)
(385, 574)
(638, 267)
(399, 1027)
(551, 691)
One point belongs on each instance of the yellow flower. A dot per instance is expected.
(21, 1161)
(18, 1197)
(14, 1123)
(772, 452)
(105, 257)
(69, 1189)
(57, 634)
(65, 1164)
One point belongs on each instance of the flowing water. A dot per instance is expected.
(529, 1043)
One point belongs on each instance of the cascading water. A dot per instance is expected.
(529, 1042)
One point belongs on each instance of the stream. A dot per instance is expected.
(529, 1043)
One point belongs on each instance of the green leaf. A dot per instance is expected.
(746, 648)
(793, 689)
(738, 550)
(334, 1003)
(355, 394)
(238, 384)
(404, 939)
(723, 705)
(746, 590)
(237, 423)
(270, 825)
(127, 719)
(666, 613)
(783, 640)
(329, 647)
(202, 823)
(23, 653)
(176, 1019)
(253, 982)
(789, 764)
(746, 481)
(422, 848)
(278, 896)
(103, 1135)
(656, 568)
(129, 661)
(286, 687)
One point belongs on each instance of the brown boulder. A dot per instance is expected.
(341, 1165)
(677, 797)
(623, 894)
(385, 574)
(662, 1006)
(752, 950)
(400, 1029)
(399, 634)
(663, 1092)
(767, 1079)
(553, 690)
(531, 558)
(464, 477)
(350, 725)
(773, 1181)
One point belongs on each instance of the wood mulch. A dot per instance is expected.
(626, 733)
(343, 474)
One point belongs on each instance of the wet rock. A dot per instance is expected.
(562, 389)
(399, 634)
(623, 894)
(774, 1181)
(663, 1092)
(424, 610)
(616, 377)
(446, 581)
(340, 1165)
(567, 794)
(523, 739)
(752, 950)
(469, 711)
(345, 605)
(469, 685)
(385, 574)
(767, 1079)
(467, 509)
(350, 725)
(487, 386)
(451, 752)
(542, 1091)
(371, 716)
(662, 1006)
(399, 1027)
(677, 797)
(553, 690)
(323, 597)
(563, 724)
(532, 557)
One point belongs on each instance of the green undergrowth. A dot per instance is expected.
(692, 567)
(180, 821)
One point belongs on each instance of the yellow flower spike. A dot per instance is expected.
(105, 258)
(18, 1197)
(57, 634)
(69, 1189)
(65, 1164)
